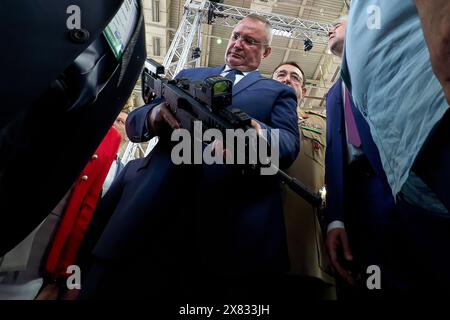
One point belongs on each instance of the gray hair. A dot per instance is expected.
(340, 19)
(257, 17)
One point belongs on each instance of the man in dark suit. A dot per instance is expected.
(58, 105)
(360, 213)
(203, 230)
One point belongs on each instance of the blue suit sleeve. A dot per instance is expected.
(284, 118)
(334, 156)
(333, 180)
(136, 125)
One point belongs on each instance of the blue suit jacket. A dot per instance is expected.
(209, 217)
(371, 197)
(266, 100)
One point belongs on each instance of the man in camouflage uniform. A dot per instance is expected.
(309, 264)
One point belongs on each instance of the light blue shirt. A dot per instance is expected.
(388, 71)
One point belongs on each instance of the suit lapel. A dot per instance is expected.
(338, 109)
(248, 80)
(338, 131)
(215, 71)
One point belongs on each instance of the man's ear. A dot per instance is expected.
(303, 92)
(267, 51)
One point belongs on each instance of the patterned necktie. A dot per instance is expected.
(352, 130)
(232, 74)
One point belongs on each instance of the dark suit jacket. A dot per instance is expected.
(208, 218)
(46, 143)
(370, 196)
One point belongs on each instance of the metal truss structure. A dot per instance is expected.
(184, 51)
(285, 26)
(187, 38)
(199, 12)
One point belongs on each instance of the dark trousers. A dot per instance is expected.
(375, 234)
(428, 234)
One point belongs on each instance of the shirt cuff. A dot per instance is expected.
(148, 134)
(336, 224)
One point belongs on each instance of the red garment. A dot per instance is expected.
(80, 206)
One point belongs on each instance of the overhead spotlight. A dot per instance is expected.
(196, 53)
(308, 44)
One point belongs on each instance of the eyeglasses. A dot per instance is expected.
(334, 26)
(246, 40)
(294, 77)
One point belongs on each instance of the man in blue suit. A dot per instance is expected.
(361, 226)
(203, 230)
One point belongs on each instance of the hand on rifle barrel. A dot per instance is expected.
(218, 145)
(161, 120)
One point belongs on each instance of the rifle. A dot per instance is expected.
(208, 101)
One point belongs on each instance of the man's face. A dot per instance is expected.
(336, 37)
(291, 76)
(247, 46)
(119, 125)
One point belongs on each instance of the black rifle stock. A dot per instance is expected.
(192, 101)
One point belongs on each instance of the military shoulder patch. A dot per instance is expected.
(311, 127)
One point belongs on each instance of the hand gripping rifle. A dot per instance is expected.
(207, 101)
